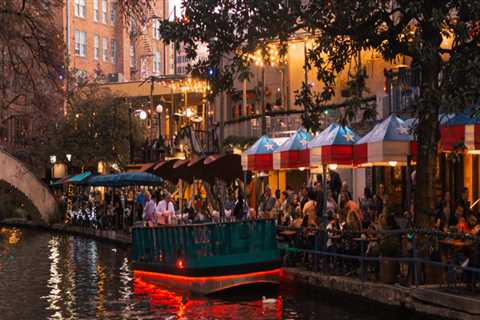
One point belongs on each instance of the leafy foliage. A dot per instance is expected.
(440, 38)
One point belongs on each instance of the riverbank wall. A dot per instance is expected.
(423, 299)
(113, 236)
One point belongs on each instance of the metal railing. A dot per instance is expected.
(252, 126)
(410, 257)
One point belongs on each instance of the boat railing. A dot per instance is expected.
(199, 244)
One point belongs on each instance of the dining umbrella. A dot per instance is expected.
(461, 130)
(80, 179)
(164, 169)
(259, 157)
(334, 145)
(388, 143)
(126, 179)
(293, 153)
(224, 167)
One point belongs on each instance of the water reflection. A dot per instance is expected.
(183, 306)
(80, 278)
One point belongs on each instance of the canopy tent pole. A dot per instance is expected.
(409, 181)
(325, 191)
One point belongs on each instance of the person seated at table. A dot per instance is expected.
(333, 229)
(331, 203)
(353, 218)
(462, 225)
(310, 209)
(297, 223)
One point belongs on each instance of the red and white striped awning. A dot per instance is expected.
(259, 157)
(293, 153)
(334, 145)
(461, 131)
(388, 143)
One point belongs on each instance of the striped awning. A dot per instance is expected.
(334, 145)
(388, 143)
(293, 153)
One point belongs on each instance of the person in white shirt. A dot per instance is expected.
(165, 210)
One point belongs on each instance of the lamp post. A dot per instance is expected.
(53, 160)
(142, 115)
(159, 110)
(69, 160)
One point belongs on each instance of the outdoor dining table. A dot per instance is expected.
(454, 246)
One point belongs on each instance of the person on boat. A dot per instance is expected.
(240, 210)
(267, 203)
(149, 210)
(165, 210)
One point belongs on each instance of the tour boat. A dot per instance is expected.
(209, 257)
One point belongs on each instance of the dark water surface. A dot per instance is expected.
(51, 276)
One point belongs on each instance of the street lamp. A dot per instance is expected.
(143, 116)
(53, 159)
(69, 160)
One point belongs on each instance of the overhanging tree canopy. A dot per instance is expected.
(440, 37)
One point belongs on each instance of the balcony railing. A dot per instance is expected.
(277, 124)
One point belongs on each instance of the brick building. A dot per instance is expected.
(101, 44)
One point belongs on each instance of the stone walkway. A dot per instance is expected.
(428, 300)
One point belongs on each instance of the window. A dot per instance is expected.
(96, 13)
(113, 13)
(80, 43)
(105, 49)
(156, 63)
(156, 29)
(114, 51)
(104, 11)
(80, 8)
(132, 57)
(96, 47)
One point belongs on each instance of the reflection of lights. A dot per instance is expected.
(54, 298)
(180, 307)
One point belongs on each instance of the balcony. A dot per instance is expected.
(279, 123)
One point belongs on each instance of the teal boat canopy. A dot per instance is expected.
(126, 179)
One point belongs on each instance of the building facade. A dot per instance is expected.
(103, 45)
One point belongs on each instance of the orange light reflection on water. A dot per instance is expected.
(191, 307)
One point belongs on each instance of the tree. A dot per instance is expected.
(34, 69)
(97, 128)
(441, 38)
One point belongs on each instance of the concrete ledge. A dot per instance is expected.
(393, 295)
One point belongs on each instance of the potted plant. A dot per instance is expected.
(389, 247)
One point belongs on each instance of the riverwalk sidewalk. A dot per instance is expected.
(429, 300)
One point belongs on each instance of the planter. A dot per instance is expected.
(389, 271)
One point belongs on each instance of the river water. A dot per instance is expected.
(51, 276)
